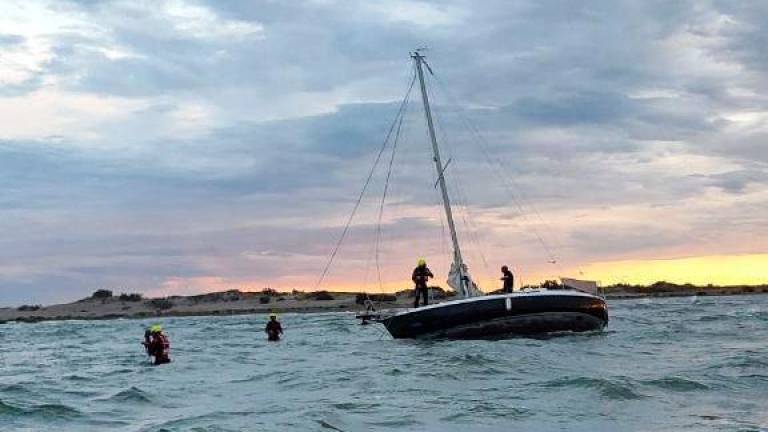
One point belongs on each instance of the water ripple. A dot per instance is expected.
(663, 364)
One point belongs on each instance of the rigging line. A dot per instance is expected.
(499, 170)
(513, 186)
(467, 218)
(484, 146)
(444, 254)
(368, 259)
(386, 189)
(365, 186)
(520, 201)
(466, 214)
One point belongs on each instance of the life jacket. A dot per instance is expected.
(166, 345)
(160, 348)
(420, 276)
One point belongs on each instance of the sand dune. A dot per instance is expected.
(102, 306)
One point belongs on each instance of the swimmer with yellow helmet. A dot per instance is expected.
(420, 277)
(157, 344)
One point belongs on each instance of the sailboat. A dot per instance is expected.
(578, 307)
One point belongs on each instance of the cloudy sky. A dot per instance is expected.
(173, 147)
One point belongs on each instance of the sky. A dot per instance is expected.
(177, 147)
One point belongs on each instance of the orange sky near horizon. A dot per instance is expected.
(748, 269)
(737, 269)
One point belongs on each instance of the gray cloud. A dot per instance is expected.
(11, 39)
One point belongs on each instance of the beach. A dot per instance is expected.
(235, 302)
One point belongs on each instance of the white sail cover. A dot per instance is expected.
(454, 281)
(586, 286)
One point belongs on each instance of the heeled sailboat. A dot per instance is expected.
(577, 308)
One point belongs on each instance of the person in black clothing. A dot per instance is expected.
(421, 275)
(508, 278)
(274, 330)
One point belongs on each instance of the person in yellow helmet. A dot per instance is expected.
(274, 329)
(420, 276)
(157, 344)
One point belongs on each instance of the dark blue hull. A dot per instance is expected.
(498, 316)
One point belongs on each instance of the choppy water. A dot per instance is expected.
(662, 365)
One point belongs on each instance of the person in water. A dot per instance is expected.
(508, 278)
(421, 275)
(157, 345)
(274, 330)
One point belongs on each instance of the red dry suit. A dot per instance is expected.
(160, 348)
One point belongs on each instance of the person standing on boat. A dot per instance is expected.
(508, 278)
(274, 329)
(421, 275)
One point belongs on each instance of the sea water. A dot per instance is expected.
(676, 364)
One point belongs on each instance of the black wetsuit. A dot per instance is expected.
(420, 277)
(274, 330)
(509, 281)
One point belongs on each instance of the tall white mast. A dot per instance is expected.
(457, 260)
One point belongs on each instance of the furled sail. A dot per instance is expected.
(455, 282)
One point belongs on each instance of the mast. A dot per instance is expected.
(458, 262)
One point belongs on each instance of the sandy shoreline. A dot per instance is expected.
(240, 303)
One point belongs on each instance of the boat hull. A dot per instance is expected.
(499, 316)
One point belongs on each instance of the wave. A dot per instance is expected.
(9, 410)
(15, 389)
(45, 411)
(53, 411)
(204, 422)
(78, 378)
(359, 407)
(742, 362)
(678, 384)
(471, 360)
(256, 378)
(488, 409)
(131, 395)
(610, 389)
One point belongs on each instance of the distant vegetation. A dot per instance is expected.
(102, 294)
(133, 297)
(360, 298)
(270, 292)
(666, 288)
(102, 304)
(160, 303)
(320, 295)
(435, 292)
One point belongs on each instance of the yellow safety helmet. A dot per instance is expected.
(422, 262)
(157, 328)
(273, 315)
